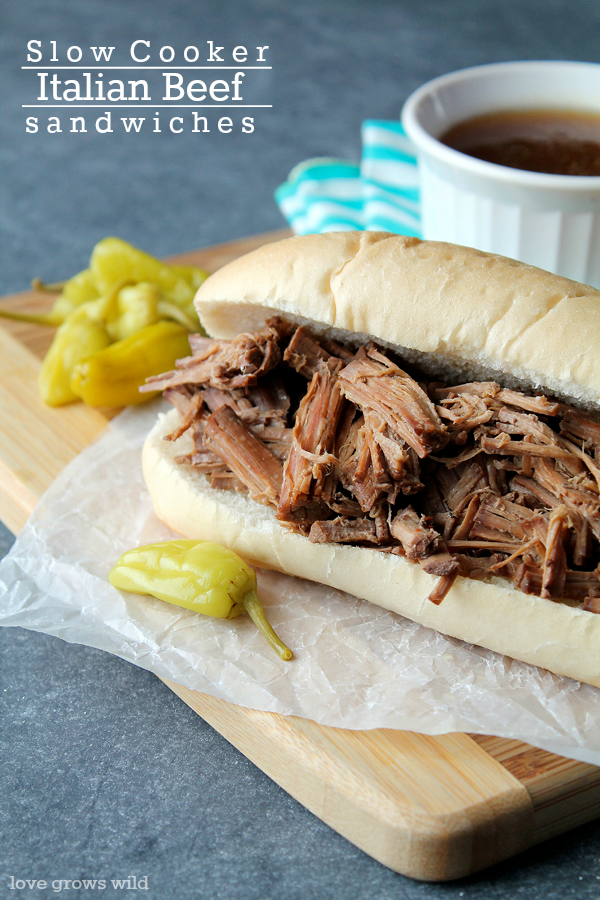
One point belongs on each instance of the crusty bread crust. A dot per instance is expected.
(455, 310)
(491, 614)
(459, 313)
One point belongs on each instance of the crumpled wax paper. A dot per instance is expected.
(356, 666)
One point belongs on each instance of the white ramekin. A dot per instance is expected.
(551, 221)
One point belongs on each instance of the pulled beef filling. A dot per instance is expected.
(348, 447)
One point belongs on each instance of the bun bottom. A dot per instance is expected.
(492, 614)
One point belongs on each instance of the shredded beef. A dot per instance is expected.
(190, 406)
(226, 364)
(443, 586)
(311, 455)
(583, 428)
(304, 354)
(501, 483)
(377, 384)
(247, 456)
(344, 530)
(417, 538)
(555, 560)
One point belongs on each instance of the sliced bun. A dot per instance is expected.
(491, 614)
(458, 312)
(461, 314)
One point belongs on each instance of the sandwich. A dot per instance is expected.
(412, 422)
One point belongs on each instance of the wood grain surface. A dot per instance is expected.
(434, 808)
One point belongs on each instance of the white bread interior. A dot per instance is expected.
(460, 314)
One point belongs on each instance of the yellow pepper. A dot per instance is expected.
(135, 307)
(192, 274)
(198, 575)
(114, 260)
(79, 336)
(76, 291)
(112, 376)
(123, 292)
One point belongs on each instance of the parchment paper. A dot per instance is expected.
(355, 666)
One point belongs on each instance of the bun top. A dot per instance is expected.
(457, 312)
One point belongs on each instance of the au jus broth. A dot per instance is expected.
(554, 141)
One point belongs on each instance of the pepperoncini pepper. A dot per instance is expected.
(80, 335)
(112, 376)
(198, 575)
(76, 291)
(115, 260)
(135, 307)
(122, 293)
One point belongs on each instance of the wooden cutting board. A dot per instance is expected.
(433, 808)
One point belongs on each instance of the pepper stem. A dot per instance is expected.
(38, 285)
(33, 319)
(253, 607)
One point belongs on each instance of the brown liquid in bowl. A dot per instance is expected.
(558, 142)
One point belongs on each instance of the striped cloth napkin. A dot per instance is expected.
(380, 194)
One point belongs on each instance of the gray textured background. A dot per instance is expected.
(105, 772)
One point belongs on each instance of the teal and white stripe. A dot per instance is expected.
(322, 195)
(390, 179)
(380, 194)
